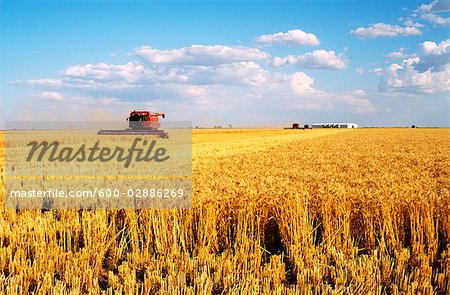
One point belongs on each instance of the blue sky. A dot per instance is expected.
(256, 63)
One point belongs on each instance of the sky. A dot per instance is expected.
(248, 64)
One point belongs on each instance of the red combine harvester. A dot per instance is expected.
(140, 123)
(297, 126)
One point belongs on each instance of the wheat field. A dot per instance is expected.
(274, 212)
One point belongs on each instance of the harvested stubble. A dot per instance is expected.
(361, 212)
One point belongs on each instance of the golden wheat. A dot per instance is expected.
(274, 212)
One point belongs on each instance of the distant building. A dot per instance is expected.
(334, 125)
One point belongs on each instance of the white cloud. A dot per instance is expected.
(96, 76)
(384, 30)
(130, 71)
(359, 92)
(409, 23)
(433, 12)
(376, 71)
(398, 54)
(435, 57)
(81, 84)
(435, 19)
(405, 78)
(427, 72)
(200, 55)
(239, 73)
(359, 71)
(291, 37)
(199, 78)
(317, 59)
(280, 61)
(41, 82)
(220, 88)
(107, 76)
(301, 83)
(431, 48)
(134, 75)
(435, 6)
(50, 95)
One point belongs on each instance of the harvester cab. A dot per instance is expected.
(144, 120)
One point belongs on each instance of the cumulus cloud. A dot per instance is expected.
(405, 77)
(200, 77)
(130, 71)
(217, 88)
(431, 48)
(101, 75)
(433, 12)
(436, 19)
(435, 57)
(376, 71)
(134, 75)
(435, 6)
(401, 53)
(301, 83)
(291, 37)
(317, 59)
(384, 30)
(50, 95)
(200, 55)
(108, 76)
(240, 73)
(50, 82)
(426, 72)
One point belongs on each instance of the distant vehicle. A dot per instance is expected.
(298, 126)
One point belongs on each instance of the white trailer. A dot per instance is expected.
(335, 125)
